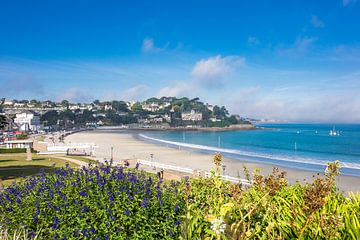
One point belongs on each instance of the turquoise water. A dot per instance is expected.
(304, 146)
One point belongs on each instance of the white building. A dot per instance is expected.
(152, 107)
(19, 144)
(28, 121)
(8, 102)
(191, 116)
(210, 107)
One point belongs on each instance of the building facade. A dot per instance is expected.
(28, 121)
(191, 116)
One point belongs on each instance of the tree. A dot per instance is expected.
(65, 104)
(136, 107)
(220, 112)
(33, 101)
(3, 122)
(177, 112)
(153, 100)
(50, 118)
(119, 106)
(232, 120)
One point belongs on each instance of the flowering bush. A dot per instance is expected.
(101, 202)
(269, 209)
(105, 202)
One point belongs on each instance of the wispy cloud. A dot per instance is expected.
(316, 22)
(20, 85)
(177, 89)
(348, 2)
(211, 71)
(347, 53)
(75, 95)
(299, 47)
(148, 46)
(136, 92)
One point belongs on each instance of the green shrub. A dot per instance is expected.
(116, 203)
(93, 203)
(21, 136)
(16, 150)
(270, 209)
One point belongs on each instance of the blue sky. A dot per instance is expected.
(290, 60)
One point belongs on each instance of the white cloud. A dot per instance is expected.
(179, 89)
(330, 107)
(253, 41)
(348, 2)
(135, 92)
(316, 22)
(75, 95)
(212, 71)
(148, 46)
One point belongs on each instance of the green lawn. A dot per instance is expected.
(15, 166)
(82, 158)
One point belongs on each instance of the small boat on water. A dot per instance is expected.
(333, 132)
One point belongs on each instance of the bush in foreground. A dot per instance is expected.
(116, 203)
(92, 203)
(269, 209)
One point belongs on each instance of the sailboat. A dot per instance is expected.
(333, 132)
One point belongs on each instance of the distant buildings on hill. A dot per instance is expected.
(34, 115)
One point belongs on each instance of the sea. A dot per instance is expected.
(300, 146)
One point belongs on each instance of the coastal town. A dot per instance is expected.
(32, 116)
(206, 120)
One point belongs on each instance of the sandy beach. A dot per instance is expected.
(127, 146)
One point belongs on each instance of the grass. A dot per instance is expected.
(13, 167)
(84, 159)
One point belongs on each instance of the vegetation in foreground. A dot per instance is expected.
(14, 167)
(105, 202)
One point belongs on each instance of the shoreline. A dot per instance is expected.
(126, 145)
(240, 127)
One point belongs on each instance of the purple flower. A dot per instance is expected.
(127, 212)
(82, 194)
(85, 209)
(85, 233)
(55, 223)
(144, 202)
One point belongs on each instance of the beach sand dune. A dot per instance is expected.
(127, 146)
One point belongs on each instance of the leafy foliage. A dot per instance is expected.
(116, 203)
(96, 202)
(270, 209)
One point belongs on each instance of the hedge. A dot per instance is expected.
(15, 150)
